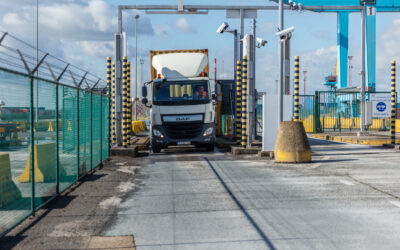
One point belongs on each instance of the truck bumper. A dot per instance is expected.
(165, 140)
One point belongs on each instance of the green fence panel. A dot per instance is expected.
(96, 130)
(45, 141)
(84, 133)
(105, 109)
(68, 136)
(15, 197)
(70, 132)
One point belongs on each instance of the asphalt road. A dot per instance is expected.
(348, 198)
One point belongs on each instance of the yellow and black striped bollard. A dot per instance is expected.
(109, 92)
(296, 87)
(113, 113)
(129, 102)
(393, 102)
(124, 104)
(238, 101)
(244, 102)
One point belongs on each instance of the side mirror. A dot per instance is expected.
(145, 101)
(144, 91)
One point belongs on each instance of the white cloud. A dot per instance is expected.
(13, 19)
(183, 25)
(96, 48)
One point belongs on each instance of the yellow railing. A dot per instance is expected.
(346, 123)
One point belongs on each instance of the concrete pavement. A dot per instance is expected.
(347, 198)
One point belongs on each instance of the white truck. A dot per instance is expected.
(182, 110)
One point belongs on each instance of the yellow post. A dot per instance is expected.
(296, 87)
(239, 101)
(109, 86)
(244, 102)
(113, 113)
(393, 102)
(124, 101)
(129, 102)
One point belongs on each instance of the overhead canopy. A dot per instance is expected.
(381, 5)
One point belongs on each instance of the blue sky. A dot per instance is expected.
(82, 32)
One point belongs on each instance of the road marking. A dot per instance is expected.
(348, 183)
(320, 163)
(395, 203)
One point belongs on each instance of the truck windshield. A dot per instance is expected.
(181, 92)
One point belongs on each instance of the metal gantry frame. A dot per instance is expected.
(180, 8)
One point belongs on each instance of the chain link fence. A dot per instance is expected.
(54, 128)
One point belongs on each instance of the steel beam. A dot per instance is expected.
(342, 48)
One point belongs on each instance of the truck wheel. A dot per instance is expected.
(156, 149)
(210, 147)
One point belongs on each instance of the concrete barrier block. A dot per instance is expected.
(8, 189)
(44, 166)
(292, 144)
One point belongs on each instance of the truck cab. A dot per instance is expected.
(182, 111)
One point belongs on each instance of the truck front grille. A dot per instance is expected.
(183, 130)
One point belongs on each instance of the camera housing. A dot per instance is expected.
(285, 34)
(224, 26)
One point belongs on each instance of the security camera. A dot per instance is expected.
(261, 42)
(223, 27)
(285, 34)
(285, 31)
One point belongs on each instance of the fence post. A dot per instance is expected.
(91, 130)
(101, 128)
(296, 87)
(32, 144)
(316, 112)
(57, 142)
(77, 127)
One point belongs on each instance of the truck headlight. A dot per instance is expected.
(208, 131)
(157, 133)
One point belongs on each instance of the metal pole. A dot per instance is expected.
(37, 61)
(241, 13)
(136, 17)
(32, 154)
(235, 52)
(362, 126)
(253, 123)
(57, 142)
(280, 49)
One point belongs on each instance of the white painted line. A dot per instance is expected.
(396, 203)
(348, 183)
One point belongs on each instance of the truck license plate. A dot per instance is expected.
(183, 143)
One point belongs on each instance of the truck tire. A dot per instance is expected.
(210, 147)
(156, 149)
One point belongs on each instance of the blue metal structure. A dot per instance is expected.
(372, 6)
